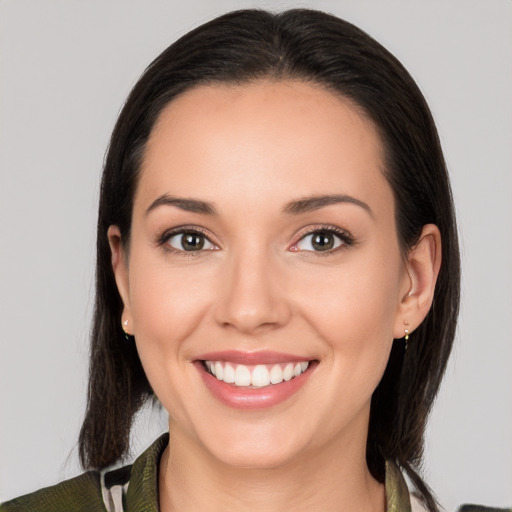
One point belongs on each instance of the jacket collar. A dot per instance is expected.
(142, 493)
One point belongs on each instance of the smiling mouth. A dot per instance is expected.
(254, 376)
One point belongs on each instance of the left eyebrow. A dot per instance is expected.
(309, 204)
(189, 205)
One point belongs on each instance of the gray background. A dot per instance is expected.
(65, 69)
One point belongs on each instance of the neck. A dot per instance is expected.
(335, 478)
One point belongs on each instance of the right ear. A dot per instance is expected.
(120, 268)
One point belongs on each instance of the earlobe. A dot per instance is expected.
(423, 264)
(120, 268)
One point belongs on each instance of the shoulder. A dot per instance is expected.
(134, 487)
(82, 493)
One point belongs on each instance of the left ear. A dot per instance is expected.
(422, 265)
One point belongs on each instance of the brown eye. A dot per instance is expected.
(319, 241)
(322, 241)
(190, 241)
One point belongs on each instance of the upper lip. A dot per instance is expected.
(252, 358)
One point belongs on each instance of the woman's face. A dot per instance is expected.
(263, 249)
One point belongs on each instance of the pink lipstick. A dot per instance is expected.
(253, 380)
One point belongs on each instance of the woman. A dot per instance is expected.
(278, 264)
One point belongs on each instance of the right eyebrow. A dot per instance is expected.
(187, 204)
(312, 203)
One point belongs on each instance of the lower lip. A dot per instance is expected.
(254, 398)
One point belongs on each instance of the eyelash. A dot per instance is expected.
(163, 240)
(344, 236)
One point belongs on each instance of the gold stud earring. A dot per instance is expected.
(125, 325)
(406, 333)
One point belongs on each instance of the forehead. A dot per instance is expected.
(293, 135)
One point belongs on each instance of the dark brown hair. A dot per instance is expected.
(315, 47)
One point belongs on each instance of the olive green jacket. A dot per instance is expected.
(137, 489)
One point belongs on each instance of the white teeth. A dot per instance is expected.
(229, 374)
(288, 372)
(260, 376)
(242, 376)
(276, 374)
(257, 376)
(219, 370)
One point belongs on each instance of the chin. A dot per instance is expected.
(255, 458)
(254, 448)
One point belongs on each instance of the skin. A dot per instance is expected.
(250, 150)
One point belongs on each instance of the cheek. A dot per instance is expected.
(352, 308)
(166, 303)
(359, 297)
(166, 306)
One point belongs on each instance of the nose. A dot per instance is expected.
(252, 298)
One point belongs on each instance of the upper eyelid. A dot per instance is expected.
(164, 237)
(162, 242)
(178, 230)
(325, 228)
(345, 236)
